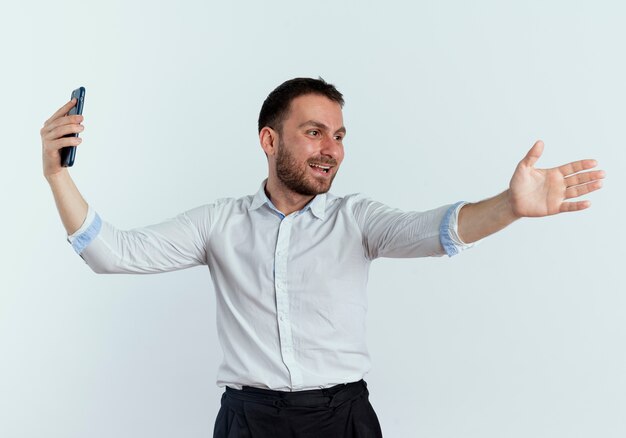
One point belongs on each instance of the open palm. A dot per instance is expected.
(542, 192)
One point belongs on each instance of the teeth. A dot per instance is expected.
(320, 166)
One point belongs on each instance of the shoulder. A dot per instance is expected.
(355, 204)
(222, 206)
(350, 199)
(355, 200)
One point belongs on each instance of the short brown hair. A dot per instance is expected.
(276, 106)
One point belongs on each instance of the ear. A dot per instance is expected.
(269, 140)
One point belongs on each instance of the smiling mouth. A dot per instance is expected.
(320, 167)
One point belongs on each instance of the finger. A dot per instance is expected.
(577, 166)
(63, 142)
(63, 110)
(585, 177)
(574, 206)
(66, 120)
(533, 154)
(583, 189)
(63, 130)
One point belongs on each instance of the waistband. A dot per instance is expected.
(326, 397)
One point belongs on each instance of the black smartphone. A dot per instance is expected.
(68, 153)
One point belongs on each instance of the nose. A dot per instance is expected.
(332, 148)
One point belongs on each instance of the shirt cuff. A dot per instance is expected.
(449, 231)
(90, 228)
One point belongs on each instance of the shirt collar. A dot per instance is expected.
(317, 204)
(259, 198)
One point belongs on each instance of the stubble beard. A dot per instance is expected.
(295, 175)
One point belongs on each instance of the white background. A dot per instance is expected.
(521, 336)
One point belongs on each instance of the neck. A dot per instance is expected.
(284, 199)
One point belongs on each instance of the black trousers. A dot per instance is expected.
(343, 411)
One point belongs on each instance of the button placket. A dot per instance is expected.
(282, 300)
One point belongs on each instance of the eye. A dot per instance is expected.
(313, 132)
(339, 137)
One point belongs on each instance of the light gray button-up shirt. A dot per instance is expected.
(290, 290)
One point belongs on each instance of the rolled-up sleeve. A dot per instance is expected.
(449, 231)
(90, 228)
(389, 232)
(174, 244)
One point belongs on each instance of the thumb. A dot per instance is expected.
(533, 154)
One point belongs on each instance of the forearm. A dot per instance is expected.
(479, 220)
(70, 203)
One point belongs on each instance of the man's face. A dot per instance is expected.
(310, 148)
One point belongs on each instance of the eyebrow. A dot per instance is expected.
(321, 126)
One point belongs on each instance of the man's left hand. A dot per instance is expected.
(541, 192)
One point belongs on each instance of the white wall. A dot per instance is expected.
(521, 336)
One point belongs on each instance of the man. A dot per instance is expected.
(289, 264)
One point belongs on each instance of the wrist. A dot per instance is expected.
(54, 178)
(511, 211)
(509, 207)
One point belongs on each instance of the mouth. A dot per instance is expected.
(320, 168)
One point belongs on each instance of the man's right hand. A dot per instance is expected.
(52, 137)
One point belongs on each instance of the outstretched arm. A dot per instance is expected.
(177, 243)
(532, 193)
